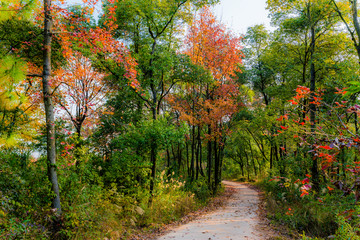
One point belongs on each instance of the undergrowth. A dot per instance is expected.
(316, 216)
(94, 206)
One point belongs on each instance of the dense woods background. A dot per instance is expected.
(113, 126)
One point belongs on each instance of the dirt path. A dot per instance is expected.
(238, 220)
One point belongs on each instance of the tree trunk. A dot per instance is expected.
(314, 168)
(192, 165)
(216, 166)
(187, 157)
(49, 109)
(179, 154)
(253, 158)
(209, 157)
(168, 157)
(241, 164)
(247, 165)
(356, 25)
(271, 157)
(200, 157)
(153, 154)
(197, 154)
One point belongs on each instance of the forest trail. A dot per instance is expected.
(238, 219)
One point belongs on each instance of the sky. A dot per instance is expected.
(238, 15)
(241, 14)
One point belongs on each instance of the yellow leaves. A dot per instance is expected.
(19, 9)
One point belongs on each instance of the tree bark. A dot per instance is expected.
(200, 157)
(153, 154)
(49, 109)
(209, 157)
(314, 168)
(197, 153)
(192, 165)
(216, 166)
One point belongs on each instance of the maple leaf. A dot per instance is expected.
(325, 147)
(293, 102)
(305, 180)
(304, 193)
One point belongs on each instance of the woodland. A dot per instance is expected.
(112, 126)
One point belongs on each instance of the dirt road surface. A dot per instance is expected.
(238, 220)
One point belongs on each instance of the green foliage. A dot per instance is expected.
(346, 230)
(285, 206)
(200, 188)
(24, 187)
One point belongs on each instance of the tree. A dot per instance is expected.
(259, 71)
(80, 90)
(49, 107)
(151, 28)
(314, 19)
(214, 48)
(349, 10)
(18, 104)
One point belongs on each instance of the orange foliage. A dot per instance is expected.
(213, 47)
(80, 90)
(210, 45)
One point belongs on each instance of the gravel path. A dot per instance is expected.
(238, 220)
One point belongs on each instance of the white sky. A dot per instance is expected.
(241, 14)
(238, 15)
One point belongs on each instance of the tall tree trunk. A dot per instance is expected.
(241, 164)
(271, 157)
(168, 157)
(247, 165)
(153, 154)
(356, 25)
(200, 157)
(209, 157)
(216, 166)
(356, 123)
(187, 158)
(197, 153)
(179, 154)
(221, 158)
(314, 168)
(192, 165)
(277, 159)
(49, 109)
(253, 158)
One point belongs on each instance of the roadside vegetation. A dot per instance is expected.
(115, 126)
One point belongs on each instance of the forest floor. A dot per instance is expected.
(241, 217)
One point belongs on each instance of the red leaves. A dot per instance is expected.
(289, 212)
(304, 193)
(292, 102)
(316, 101)
(302, 91)
(282, 117)
(325, 147)
(305, 180)
(284, 128)
(212, 46)
(304, 189)
(340, 91)
(80, 90)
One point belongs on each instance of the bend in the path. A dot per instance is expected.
(237, 220)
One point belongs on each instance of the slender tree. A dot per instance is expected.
(49, 108)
